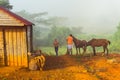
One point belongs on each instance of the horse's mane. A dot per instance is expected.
(74, 38)
(79, 42)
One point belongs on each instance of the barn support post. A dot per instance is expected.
(27, 47)
(31, 38)
(27, 38)
(5, 52)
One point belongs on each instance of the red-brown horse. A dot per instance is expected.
(80, 44)
(98, 43)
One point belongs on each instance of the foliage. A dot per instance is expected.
(6, 4)
(42, 21)
(57, 21)
(115, 46)
(77, 30)
(117, 33)
(37, 18)
(59, 33)
(47, 28)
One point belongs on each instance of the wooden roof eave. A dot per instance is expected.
(24, 21)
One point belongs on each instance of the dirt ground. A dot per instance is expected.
(67, 67)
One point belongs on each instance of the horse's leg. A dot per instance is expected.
(79, 51)
(76, 51)
(84, 49)
(103, 51)
(94, 51)
(107, 50)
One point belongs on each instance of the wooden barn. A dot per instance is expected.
(15, 39)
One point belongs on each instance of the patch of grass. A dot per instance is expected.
(50, 50)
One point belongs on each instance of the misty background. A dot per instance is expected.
(94, 16)
(56, 19)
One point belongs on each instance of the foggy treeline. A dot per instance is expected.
(48, 28)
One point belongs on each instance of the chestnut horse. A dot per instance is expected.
(97, 43)
(80, 44)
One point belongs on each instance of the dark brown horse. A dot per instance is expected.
(98, 43)
(80, 44)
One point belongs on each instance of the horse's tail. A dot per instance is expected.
(109, 42)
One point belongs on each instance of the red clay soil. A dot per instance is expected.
(67, 67)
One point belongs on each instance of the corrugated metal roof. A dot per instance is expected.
(8, 18)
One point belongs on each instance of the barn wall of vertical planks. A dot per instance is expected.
(15, 39)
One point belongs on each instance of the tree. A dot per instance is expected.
(77, 30)
(39, 19)
(117, 33)
(6, 4)
(116, 40)
(57, 21)
(59, 33)
(46, 28)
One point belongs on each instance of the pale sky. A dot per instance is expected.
(92, 15)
